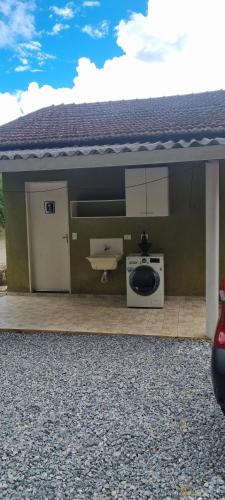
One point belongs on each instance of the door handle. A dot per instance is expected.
(65, 237)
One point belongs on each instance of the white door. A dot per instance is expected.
(135, 186)
(48, 236)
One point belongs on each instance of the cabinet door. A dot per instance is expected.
(135, 180)
(157, 186)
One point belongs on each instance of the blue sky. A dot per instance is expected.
(54, 52)
(65, 47)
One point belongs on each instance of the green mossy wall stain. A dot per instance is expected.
(180, 236)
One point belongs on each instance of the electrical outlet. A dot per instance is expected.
(127, 237)
(74, 236)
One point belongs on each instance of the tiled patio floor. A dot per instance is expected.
(181, 317)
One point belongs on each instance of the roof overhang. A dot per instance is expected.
(112, 155)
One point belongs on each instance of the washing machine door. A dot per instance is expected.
(144, 280)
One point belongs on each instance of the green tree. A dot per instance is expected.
(2, 206)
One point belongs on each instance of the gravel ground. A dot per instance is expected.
(85, 417)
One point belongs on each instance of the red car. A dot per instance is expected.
(218, 357)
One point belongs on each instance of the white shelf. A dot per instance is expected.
(98, 208)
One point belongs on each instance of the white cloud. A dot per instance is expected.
(24, 61)
(139, 38)
(99, 32)
(176, 48)
(29, 53)
(26, 67)
(91, 3)
(16, 21)
(33, 45)
(66, 12)
(10, 107)
(57, 28)
(42, 57)
(30, 99)
(22, 68)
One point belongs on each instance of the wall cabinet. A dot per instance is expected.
(147, 192)
(146, 195)
(135, 189)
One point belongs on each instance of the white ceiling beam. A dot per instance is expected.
(192, 154)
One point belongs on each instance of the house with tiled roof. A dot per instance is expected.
(79, 176)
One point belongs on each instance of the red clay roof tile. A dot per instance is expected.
(140, 120)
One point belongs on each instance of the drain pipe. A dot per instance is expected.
(104, 277)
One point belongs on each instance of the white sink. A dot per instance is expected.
(103, 261)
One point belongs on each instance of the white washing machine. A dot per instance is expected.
(145, 280)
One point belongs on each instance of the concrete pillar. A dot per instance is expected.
(212, 246)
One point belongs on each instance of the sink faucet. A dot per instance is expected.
(106, 247)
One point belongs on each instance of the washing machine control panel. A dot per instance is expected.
(150, 260)
(133, 262)
(137, 260)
